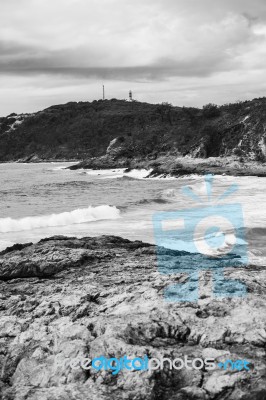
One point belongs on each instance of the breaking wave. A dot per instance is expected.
(138, 173)
(79, 216)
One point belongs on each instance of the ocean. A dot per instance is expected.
(46, 199)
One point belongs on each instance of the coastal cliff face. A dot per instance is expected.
(77, 131)
(66, 297)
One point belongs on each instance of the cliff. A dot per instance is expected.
(78, 131)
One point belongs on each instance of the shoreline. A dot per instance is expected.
(173, 166)
(165, 166)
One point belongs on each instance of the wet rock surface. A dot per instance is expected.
(66, 297)
(171, 166)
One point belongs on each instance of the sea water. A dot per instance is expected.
(46, 199)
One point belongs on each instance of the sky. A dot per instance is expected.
(186, 52)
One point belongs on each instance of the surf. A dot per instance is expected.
(78, 216)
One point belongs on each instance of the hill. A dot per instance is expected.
(77, 131)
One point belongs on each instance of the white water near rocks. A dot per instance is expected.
(41, 200)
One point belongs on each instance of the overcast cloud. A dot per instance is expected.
(188, 52)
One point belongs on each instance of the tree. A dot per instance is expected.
(211, 110)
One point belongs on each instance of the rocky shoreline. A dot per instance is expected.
(67, 297)
(174, 166)
(165, 166)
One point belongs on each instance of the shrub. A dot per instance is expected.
(211, 110)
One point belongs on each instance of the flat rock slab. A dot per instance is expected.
(67, 297)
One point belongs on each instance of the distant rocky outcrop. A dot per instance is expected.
(129, 130)
(67, 297)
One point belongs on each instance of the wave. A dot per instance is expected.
(79, 216)
(138, 173)
(67, 184)
(60, 168)
(120, 173)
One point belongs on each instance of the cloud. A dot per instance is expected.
(144, 42)
(210, 48)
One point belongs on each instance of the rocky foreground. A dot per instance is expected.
(67, 297)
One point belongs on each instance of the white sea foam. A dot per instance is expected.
(119, 173)
(61, 167)
(138, 173)
(106, 173)
(78, 216)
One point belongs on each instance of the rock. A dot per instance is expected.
(9, 326)
(120, 147)
(218, 383)
(63, 299)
